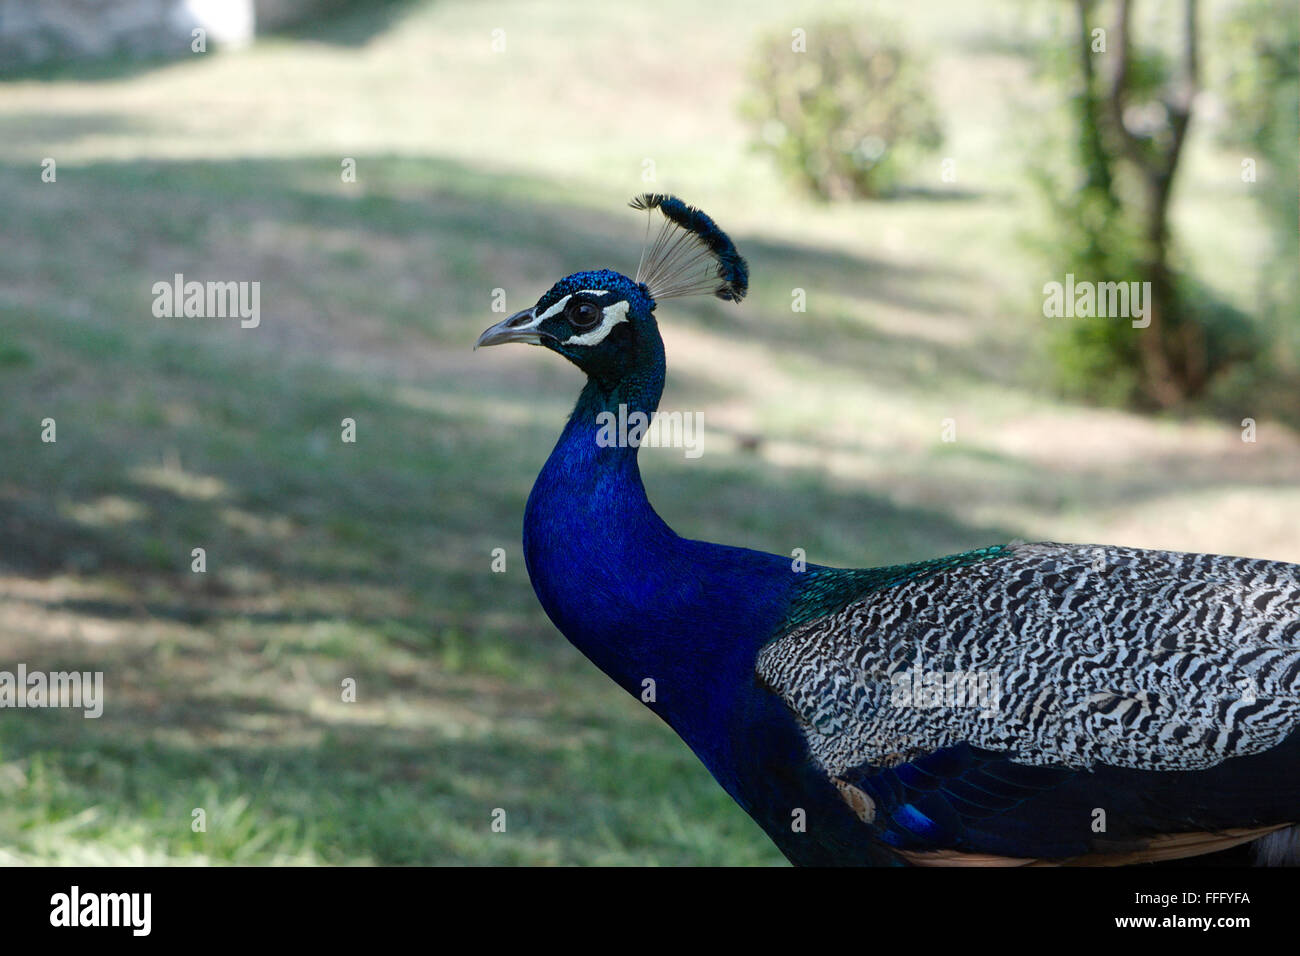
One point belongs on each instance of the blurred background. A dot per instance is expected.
(905, 179)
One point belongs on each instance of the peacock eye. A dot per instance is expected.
(583, 315)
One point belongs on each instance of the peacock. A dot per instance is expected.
(1016, 705)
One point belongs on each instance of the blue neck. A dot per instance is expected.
(637, 599)
(644, 604)
(590, 533)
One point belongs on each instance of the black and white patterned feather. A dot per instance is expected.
(1146, 660)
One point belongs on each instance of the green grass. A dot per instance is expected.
(329, 561)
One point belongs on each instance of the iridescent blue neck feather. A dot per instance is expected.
(646, 605)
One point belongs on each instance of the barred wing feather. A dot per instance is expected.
(1146, 660)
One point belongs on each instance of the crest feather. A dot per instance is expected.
(690, 255)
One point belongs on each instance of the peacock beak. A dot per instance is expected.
(520, 327)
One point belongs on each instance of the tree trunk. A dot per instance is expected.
(1173, 354)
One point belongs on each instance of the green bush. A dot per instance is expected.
(845, 116)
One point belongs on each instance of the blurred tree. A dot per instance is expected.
(1131, 111)
(842, 106)
(1262, 96)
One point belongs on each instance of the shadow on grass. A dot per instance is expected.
(35, 132)
(119, 66)
(347, 23)
(328, 561)
(351, 23)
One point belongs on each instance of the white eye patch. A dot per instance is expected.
(612, 315)
(555, 309)
(559, 304)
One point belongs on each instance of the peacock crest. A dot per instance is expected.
(689, 255)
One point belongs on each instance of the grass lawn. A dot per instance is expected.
(371, 561)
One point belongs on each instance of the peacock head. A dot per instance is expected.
(603, 321)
